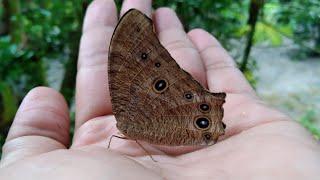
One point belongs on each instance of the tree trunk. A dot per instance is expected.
(16, 27)
(254, 10)
(317, 40)
(12, 16)
(5, 20)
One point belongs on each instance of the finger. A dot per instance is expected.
(41, 125)
(92, 94)
(175, 40)
(142, 5)
(99, 132)
(221, 70)
(95, 132)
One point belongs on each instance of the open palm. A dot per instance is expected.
(260, 142)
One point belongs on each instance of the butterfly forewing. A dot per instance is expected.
(153, 99)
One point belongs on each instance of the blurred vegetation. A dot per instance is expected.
(308, 120)
(35, 34)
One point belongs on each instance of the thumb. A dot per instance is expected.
(41, 125)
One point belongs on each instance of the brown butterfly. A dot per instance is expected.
(153, 99)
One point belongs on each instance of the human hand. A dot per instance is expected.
(260, 142)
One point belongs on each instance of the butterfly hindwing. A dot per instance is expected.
(153, 99)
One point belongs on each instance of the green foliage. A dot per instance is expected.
(11, 106)
(226, 19)
(2, 140)
(13, 58)
(269, 29)
(267, 33)
(309, 121)
(52, 31)
(298, 20)
(249, 73)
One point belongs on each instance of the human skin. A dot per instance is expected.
(260, 142)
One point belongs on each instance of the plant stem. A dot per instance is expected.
(254, 9)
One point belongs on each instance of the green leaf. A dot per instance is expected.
(309, 121)
(286, 30)
(267, 33)
(10, 104)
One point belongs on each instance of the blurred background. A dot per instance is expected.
(276, 43)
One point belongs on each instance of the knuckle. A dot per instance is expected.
(164, 10)
(178, 45)
(220, 64)
(196, 31)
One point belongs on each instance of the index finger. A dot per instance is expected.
(222, 73)
(92, 94)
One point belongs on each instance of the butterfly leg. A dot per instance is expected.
(116, 137)
(146, 151)
(136, 142)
